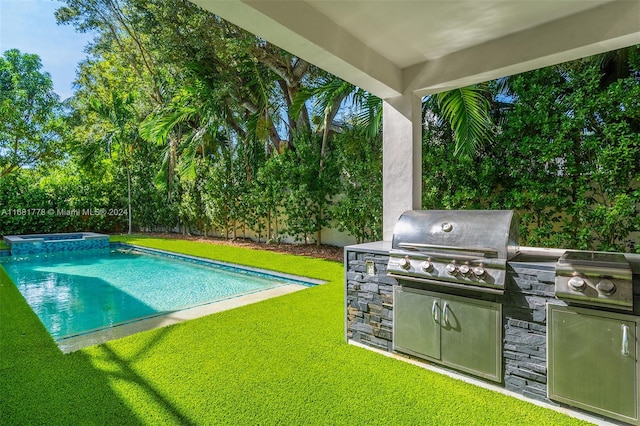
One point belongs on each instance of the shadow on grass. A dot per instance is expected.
(117, 368)
(40, 385)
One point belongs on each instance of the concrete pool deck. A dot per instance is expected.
(74, 343)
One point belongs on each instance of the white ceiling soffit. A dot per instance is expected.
(391, 47)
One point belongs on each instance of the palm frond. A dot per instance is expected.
(157, 126)
(369, 114)
(326, 94)
(466, 109)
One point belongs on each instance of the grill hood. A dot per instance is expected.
(480, 233)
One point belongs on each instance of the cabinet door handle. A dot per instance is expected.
(445, 313)
(625, 340)
(434, 311)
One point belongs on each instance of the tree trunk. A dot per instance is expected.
(328, 119)
(319, 238)
(129, 197)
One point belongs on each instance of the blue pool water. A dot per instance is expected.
(77, 292)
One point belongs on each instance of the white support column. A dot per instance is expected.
(402, 159)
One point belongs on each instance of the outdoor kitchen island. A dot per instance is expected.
(526, 338)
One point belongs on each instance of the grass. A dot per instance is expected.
(3, 245)
(281, 361)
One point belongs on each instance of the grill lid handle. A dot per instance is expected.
(482, 251)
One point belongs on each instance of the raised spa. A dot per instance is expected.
(48, 243)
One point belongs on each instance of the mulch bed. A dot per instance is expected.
(322, 251)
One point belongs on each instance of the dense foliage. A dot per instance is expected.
(60, 201)
(577, 144)
(30, 113)
(184, 122)
(566, 156)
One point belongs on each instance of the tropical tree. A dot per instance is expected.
(31, 114)
(117, 31)
(258, 81)
(466, 111)
(216, 89)
(190, 126)
(115, 133)
(358, 207)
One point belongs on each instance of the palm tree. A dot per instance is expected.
(465, 109)
(116, 133)
(330, 95)
(189, 126)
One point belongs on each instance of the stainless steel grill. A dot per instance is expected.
(458, 248)
(595, 278)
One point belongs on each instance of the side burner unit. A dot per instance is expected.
(592, 351)
(595, 278)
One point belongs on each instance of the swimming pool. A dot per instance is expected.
(75, 293)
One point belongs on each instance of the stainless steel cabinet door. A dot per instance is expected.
(456, 331)
(592, 361)
(416, 323)
(471, 336)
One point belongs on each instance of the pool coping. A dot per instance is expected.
(29, 238)
(299, 278)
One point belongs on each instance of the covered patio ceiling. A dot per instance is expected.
(426, 46)
(402, 50)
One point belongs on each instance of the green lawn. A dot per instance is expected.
(281, 361)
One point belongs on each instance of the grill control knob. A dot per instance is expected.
(464, 269)
(577, 283)
(427, 266)
(606, 287)
(479, 271)
(451, 268)
(405, 263)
